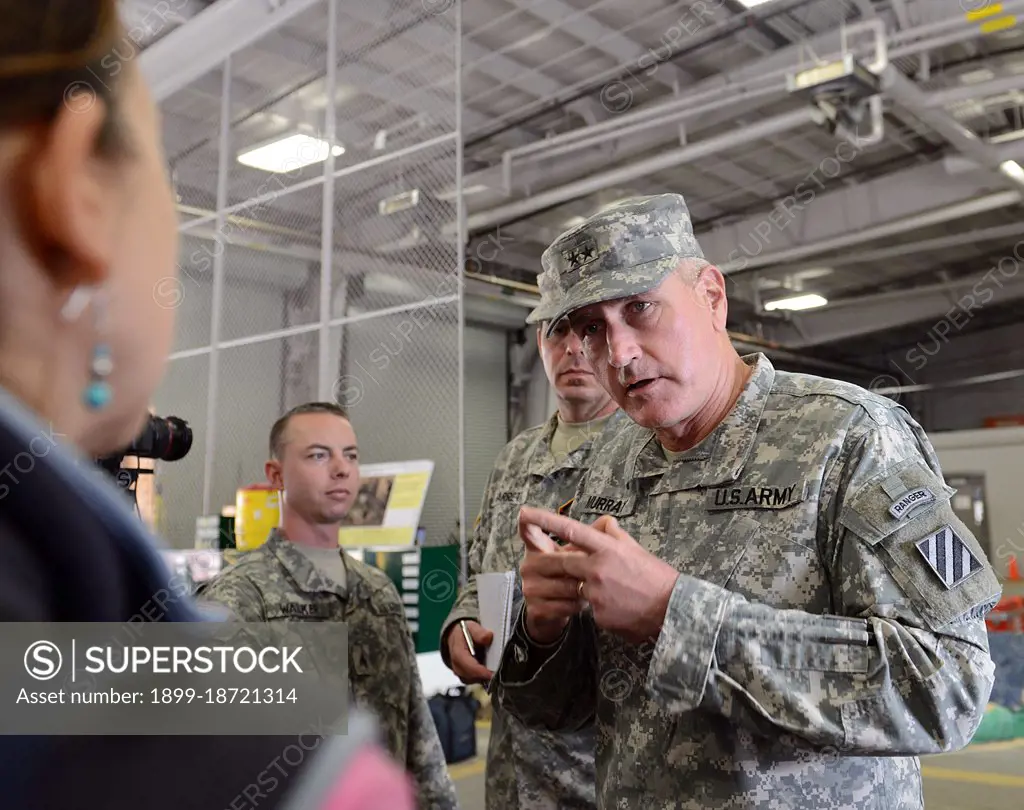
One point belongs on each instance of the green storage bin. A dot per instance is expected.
(427, 579)
(1000, 723)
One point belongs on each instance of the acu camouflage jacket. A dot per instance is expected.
(529, 768)
(826, 627)
(276, 582)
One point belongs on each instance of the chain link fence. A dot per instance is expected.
(318, 178)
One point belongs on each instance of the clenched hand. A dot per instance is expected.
(464, 664)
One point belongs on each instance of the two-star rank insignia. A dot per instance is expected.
(948, 556)
(580, 251)
(579, 255)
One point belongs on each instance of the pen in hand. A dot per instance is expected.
(469, 639)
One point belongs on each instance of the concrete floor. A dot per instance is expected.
(984, 777)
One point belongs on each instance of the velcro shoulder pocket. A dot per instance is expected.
(906, 517)
(894, 499)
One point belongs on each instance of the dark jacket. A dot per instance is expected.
(71, 549)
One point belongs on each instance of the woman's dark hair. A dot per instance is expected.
(53, 50)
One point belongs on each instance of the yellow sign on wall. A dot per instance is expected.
(389, 504)
(257, 513)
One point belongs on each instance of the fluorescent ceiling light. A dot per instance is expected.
(977, 76)
(289, 153)
(1006, 137)
(797, 302)
(753, 3)
(399, 202)
(1011, 168)
(452, 193)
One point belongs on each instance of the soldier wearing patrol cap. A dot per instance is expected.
(300, 574)
(768, 600)
(534, 769)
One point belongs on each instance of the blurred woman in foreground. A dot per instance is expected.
(88, 231)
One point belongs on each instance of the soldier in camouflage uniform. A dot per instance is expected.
(300, 574)
(534, 769)
(768, 601)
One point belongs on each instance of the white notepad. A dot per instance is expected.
(495, 593)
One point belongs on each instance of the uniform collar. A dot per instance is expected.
(301, 570)
(721, 456)
(542, 463)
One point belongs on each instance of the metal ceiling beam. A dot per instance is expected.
(206, 40)
(908, 95)
(810, 222)
(937, 216)
(195, 49)
(594, 33)
(899, 8)
(780, 63)
(429, 100)
(975, 92)
(826, 45)
(1012, 150)
(996, 233)
(642, 168)
(541, 174)
(286, 268)
(510, 72)
(627, 52)
(949, 307)
(146, 21)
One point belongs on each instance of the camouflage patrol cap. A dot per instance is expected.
(551, 299)
(626, 249)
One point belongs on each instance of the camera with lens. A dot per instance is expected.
(162, 439)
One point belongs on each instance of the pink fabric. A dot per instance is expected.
(372, 782)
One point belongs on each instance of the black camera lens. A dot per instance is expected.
(171, 438)
(163, 438)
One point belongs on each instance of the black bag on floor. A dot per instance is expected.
(454, 714)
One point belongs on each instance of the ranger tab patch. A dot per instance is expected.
(948, 556)
(753, 497)
(904, 504)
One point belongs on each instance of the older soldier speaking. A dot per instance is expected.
(774, 604)
(534, 769)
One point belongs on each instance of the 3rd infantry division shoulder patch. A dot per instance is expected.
(948, 556)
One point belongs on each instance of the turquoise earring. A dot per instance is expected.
(98, 393)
